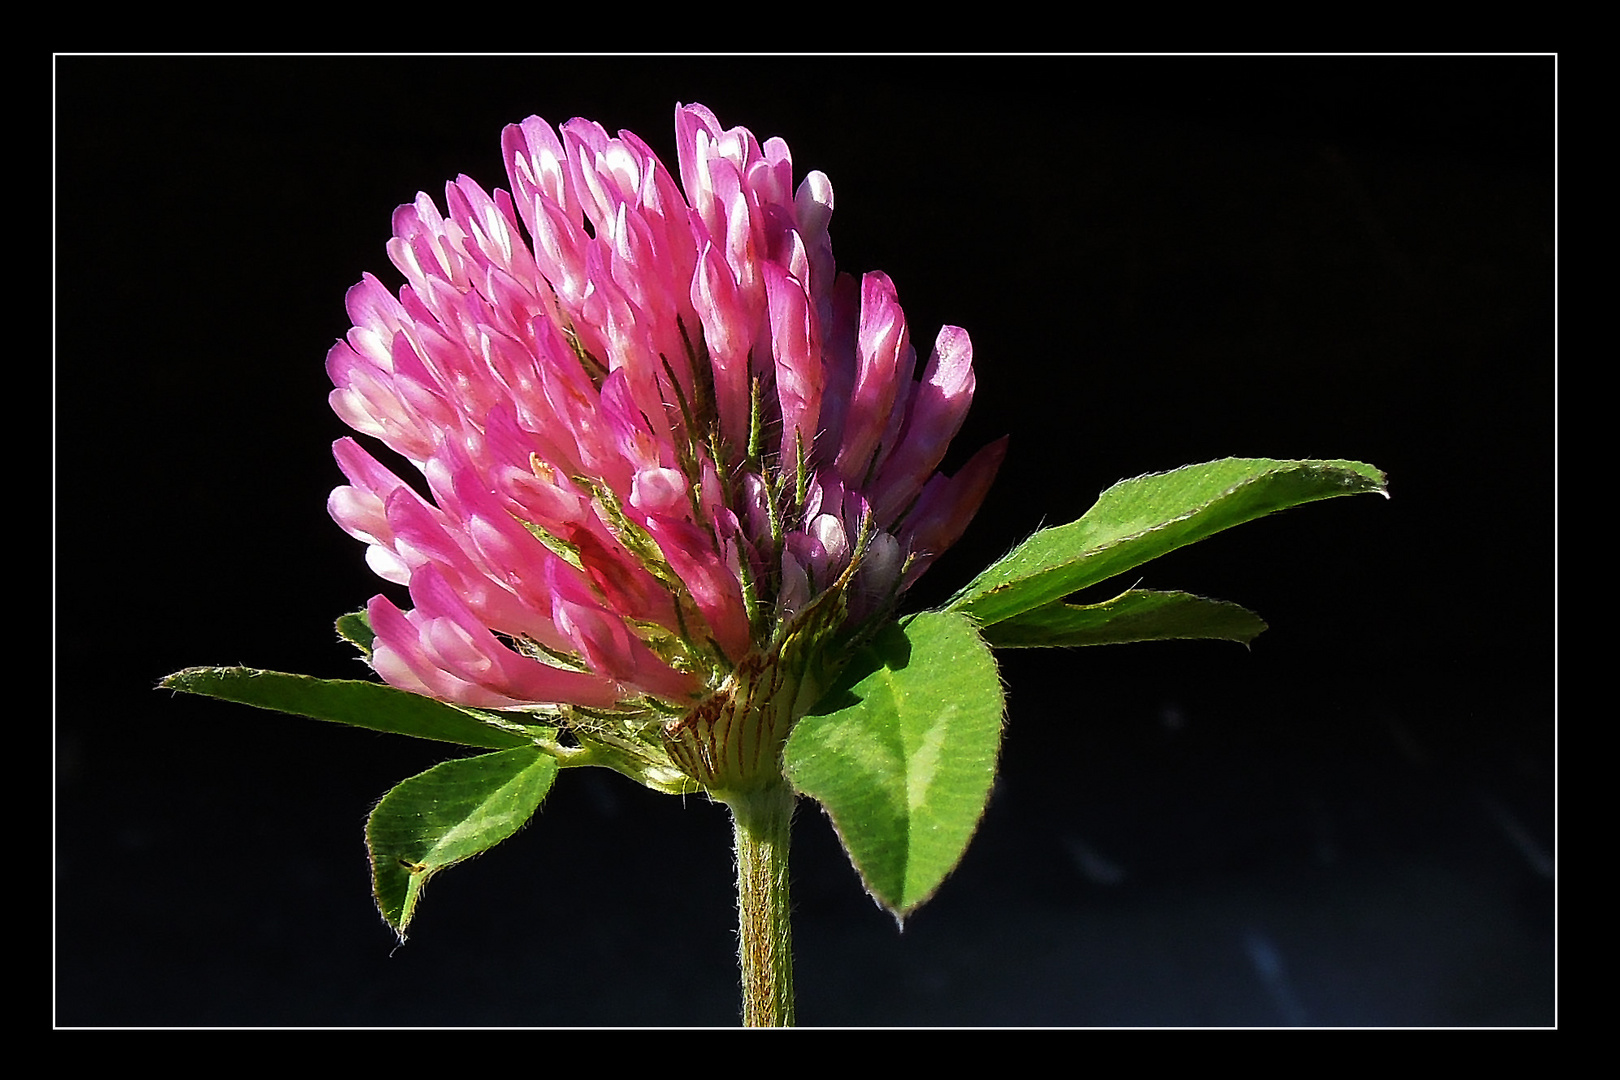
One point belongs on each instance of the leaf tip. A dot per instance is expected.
(181, 680)
(355, 628)
(1378, 477)
(899, 912)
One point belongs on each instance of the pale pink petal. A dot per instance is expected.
(938, 406)
(880, 348)
(799, 376)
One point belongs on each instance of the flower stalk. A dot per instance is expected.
(761, 822)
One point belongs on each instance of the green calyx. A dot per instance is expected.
(731, 742)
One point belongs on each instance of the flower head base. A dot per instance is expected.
(676, 461)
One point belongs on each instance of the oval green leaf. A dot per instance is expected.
(1138, 520)
(903, 759)
(451, 812)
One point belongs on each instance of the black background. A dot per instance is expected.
(1160, 261)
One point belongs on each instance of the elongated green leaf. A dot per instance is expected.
(344, 701)
(1137, 615)
(903, 761)
(451, 812)
(1141, 519)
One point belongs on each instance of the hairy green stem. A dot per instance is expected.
(760, 828)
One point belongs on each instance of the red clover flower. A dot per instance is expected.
(678, 463)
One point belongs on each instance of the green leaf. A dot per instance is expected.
(345, 701)
(903, 759)
(1137, 615)
(1141, 519)
(355, 628)
(451, 812)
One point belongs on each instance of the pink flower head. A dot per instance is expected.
(656, 430)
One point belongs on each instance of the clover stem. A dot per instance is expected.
(761, 822)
